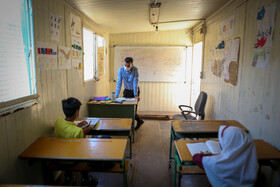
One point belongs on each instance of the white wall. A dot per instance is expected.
(254, 102)
(20, 129)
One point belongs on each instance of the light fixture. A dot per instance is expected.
(156, 31)
(154, 13)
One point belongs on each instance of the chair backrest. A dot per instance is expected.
(200, 104)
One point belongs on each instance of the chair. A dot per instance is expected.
(198, 109)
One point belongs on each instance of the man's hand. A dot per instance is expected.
(138, 98)
(82, 123)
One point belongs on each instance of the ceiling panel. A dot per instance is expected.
(129, 16)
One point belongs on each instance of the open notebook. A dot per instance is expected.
(93, 122)
(209, 146)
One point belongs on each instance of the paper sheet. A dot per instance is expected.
(226, 28)
(46, 55)
(265, 20)
(64, 57)
(54, 26)
(75, 25)
(77, 65)
(76, 47)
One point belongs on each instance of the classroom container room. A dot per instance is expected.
(131, 92)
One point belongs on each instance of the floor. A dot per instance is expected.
(150, 162)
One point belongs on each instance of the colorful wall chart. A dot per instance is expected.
(265, 26)
(76, 47)
(46, 55)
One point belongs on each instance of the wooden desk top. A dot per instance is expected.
(203, 126)
(124, 103)
(76, 149)
(264, 150)
(112, 124)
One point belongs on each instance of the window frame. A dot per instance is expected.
(105, 55)
(95, 57)
(11, 106)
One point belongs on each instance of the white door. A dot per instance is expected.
(196, 69)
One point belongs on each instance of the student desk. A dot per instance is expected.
(198, 129)
(127, 109)
(78, 150)
(265, 152)
(113, 127)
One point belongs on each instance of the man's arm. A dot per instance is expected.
(119, 82)
(135, 82)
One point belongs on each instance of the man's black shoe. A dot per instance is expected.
(139, 123)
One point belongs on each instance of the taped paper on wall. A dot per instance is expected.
(75, 25)
(54, 27)
(46, 55)
(64, 57)
(76, 47)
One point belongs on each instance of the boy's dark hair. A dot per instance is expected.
(128, 59)
(70, 106)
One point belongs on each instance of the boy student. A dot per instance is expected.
(237, 163)
(66, 128)
(128, 74)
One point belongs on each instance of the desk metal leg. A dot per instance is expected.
(133, 129)
(170, 146)
(130, 144)
(176, 162)
(124, 174)
(175, 172)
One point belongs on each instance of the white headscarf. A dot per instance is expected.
(237, 164)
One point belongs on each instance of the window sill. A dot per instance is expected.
(10, 107)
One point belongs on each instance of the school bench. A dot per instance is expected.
(87, 150)
(198, 129)
(127, 109)
(183, 159)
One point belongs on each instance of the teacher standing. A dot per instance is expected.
(128, 74)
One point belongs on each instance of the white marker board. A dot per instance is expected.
(154, 63)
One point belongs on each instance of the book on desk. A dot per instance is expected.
(94, 123)
(209, 146)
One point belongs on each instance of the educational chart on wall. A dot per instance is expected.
(76, 47)
(75, 25)
(218, 59)
(54, 26)
(76, 44)
(77, 65)
(265, 26)
(226, 28)
(46, 55)
(64, 57)
(231, 61)
(232, 49)
(155, 64)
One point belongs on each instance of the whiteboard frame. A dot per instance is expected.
(142, 46)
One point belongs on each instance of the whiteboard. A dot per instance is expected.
(154, 63)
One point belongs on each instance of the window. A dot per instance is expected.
(89, 42)
(17, 65)
(101, 44)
